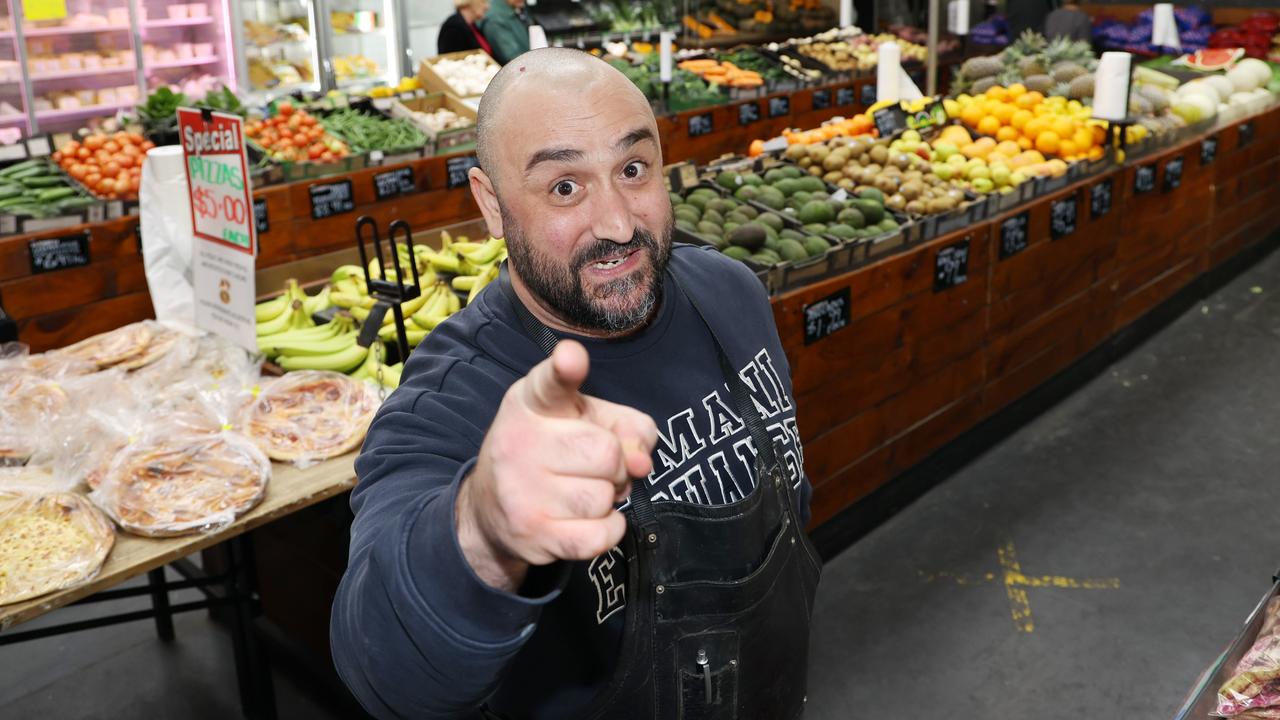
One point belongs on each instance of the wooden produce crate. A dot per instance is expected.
(435, 83)
(444, 141)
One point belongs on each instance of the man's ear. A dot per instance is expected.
(482, 190)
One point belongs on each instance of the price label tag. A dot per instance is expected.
(1173, 174)
(383, 103)
(375, 156)
(260, 220)
(16, 151)
(1208, 150)
(458, 168)
(845, 96)
(840, 195)
(869, 94)
(777, 144)
(933, 114)
(59, 253)
(951, 266)
(748, 113)
(332, 198)
(8, 224)
(39, 146)
(701, 124)
(1144, 179)
(826, 316)
(217, 178)
(1100, 199)
(96, 213)
(779, 106)
(1062, 217)
(890, 120)
(393, 182)
(1013, 235)
(115, 209)
(1244, 134)
(822, 99)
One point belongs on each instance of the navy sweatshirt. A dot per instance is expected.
(415, 632)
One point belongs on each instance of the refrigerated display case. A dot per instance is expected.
(363, 43)
(13, 90)
(279, 46)
(186, 45)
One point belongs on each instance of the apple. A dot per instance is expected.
(979, 172)
(1000, 175)
(1017, 178)
(945, 150)
(983, 185)
(957, 161)
(943, 171)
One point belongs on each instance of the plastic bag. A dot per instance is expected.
(105, 413)
(176, 484)
(48, 541)
(308, 416)
(1254, 690)
(166, 235)
(129, 347)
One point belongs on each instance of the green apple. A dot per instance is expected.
(983, 185)
(911, 136)
(979, 172)
(945, 150)
(1001, 176)
(943, 171)
(956, 161)
(1017, 178)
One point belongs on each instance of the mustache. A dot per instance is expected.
(603, 249)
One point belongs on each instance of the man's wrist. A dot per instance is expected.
(493, 565)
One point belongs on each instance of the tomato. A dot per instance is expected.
(111, 168)
(127, 161)
(135, 138)
(84, 153)
(71, 147)
(92, 177)
(285, 109)
(93, 142)
(315, 151)
(147, 145)
(106, 186)
(111, 146)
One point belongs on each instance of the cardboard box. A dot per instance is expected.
(434, 83)
(446, 140)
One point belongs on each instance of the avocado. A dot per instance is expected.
(771, 219)
(688, 217)
(772, 243)
(792, 250)
(737, 216)
(747, 210)
(728, 179)
(793, 172)
(872, 194)
(817, 211)
(715, 240)
(746, 193)
(791, 233)
(751, 237)
(870, 209)
(699, 202)
(787, 187)
(710, 228)
(675, 199)
(799, 198)
(752, 179)
(815, 228)
(686, 225)
(722, 205)
(852, 217)
(773, 175)
(736, 252)
(889, 223)
(771, 198)
(685, 207)
(768, 257)
(815, 245)
(712, 216)
(729, 226)
(812, 184)
(841, 230)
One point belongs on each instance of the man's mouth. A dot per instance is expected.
(612, 263)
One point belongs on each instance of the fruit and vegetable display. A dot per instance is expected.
(365, 131)
(723, 73)
(36, 188)
(851, 50)
(1062, 67)
(1055, 126)
(1258, 36)
(981, 165)
(468, 75)
(294, 135)
(406, 84)
(440, 120)
(1226, 94)
(355, 67)
(901, 181)
(788, 68)
(742, 231)
(110, 166)
(686, 89)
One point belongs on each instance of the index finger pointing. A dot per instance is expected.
(551, 387)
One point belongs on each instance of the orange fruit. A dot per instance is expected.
(1006, 133)
(1067, 149)
(1036, 97)
(995, 92)
(972, 115)
(1024, 143)
(1034, 127)
(1004, 112)
(1017, 90)
(1047, 142)
(1063, 127)
(1099, 134)
(1083, 139)
(1020, 119)
(1095, 152)
(989, 125)
(1025, 101)
(756, 149)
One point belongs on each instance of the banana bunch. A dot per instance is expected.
(389, 376)
(477, 263)
(331, 346)
(291, 310)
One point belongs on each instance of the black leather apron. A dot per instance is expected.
(718, 596)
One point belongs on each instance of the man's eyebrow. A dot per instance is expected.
(557, 155)
(633, 137)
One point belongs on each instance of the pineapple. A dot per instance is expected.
(1067, 70)
(1081, 87)
(1029, 66)
(981, 67)
(983, 85)
(1040, 83)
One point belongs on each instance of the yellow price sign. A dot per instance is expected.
(44, 9)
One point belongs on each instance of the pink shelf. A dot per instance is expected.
(186, 62)
(87, 110)
(83, 73)
(179, 22)
(11, 119)
(42, 32)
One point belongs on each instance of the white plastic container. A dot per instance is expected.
(183, 51)
(177, 12)
(198, 10)
(202, 50)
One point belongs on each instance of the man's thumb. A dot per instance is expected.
(552, 385)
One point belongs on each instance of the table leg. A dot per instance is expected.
(160, 603)
(253, 670)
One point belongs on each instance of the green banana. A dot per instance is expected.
(463, 283)
(412, 334)
(346, 272)
(489, 276)
(281, 322)
(268, 310)
(344, 360)
(350, 302)
(327, 346)
(315, 303)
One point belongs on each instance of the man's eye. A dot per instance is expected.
(565, 188)
(633, 170)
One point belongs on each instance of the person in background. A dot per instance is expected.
(1025, 15)
(506, 27)
(1068, 21)
(459, 31)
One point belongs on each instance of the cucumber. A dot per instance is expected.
(44, 181)
(9, 191)
(24, 165)
(30, 173)
(54, 194)
(75, 203)
(14, 202)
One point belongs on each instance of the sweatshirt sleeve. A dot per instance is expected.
(414, 631)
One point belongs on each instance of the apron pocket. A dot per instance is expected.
(708, 672)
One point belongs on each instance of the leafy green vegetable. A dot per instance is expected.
(223, 100)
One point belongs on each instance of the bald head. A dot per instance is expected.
(561, 73)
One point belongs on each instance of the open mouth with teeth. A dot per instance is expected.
(612, 264)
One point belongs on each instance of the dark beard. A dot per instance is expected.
(559, 285)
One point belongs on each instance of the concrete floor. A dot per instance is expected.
(1153, 487)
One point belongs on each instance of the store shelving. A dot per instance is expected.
(87, 110)
(58, 31)
(186, 62)
(177, 22)
(82, 73)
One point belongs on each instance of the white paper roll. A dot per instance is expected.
(907, 88)
(1164, 28)
(165, 217)
(889, 72)
(537, 37)
(664, 56)
(1111, 86)
(958, 17)
(847, 14)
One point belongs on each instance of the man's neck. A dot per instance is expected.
(548, 317)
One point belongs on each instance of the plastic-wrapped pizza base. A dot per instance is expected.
(49, 542)
(308, 416)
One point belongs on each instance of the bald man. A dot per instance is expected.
(587, 497)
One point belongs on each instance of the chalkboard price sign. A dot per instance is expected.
(844, 96)
(1173, 174)
(59, 253)
(779, 106)
(822, 99)
(393, 182)
(890, 120)
(1144, 179)
(1244, 134)
(701, 124)
(1100, 199)
(869, 94)
(260, 216)
(1013, 234)
(748, 113)
(329, 199)
(826, 316)
(1208, 150)
(1062, 217)
(951, 266)
(457, 169)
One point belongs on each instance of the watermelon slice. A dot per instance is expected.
(1211, 60)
